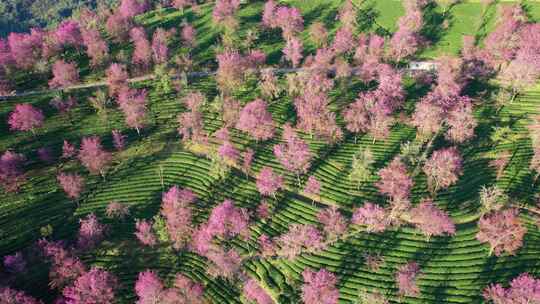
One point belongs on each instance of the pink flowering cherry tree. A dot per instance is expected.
(319, 285)
(502, 230)
(73, 184)
(93, 156)
(268, 182)
(255, 120)
(25, 117)
(95, 286)
(443, 169)
(65, 74)
(407, 279)
(294, 154)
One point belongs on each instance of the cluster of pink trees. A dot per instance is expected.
(507, 50)
(226, 221)
(224, 10)
(142, 49)
(445, 105)
(312, 108)
(91, 232)
(372, 111)
(94, 286)
(395, 181)
(144, 233)
(65, 266)
(291, 23)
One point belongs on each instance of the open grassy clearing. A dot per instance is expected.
(454, 270)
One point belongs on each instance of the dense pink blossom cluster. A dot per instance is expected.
(371, 112)
(313, 186)
(91, 232)
(68, 33)
(144, 233)
(407, 39)
(253, 292)
(373, 217)
(227, 221)
(443, 168)
(314, 115)
(225, 9)
(9, 295)
(406, 279)
(294, 154)
(65, 267)
(289, 19)
(96, 47)
(298, 239)
(72, 184)
(502, 230)
(132, 8)
(68, 150)
(65, 74)
(150, 289)
(26, 49)
(333, 222)
(431, 220)
(94, 286)
(255, 120)
(268, 182)
(395, 181)
(142, 52)
(133, 102)
(319, 285)
(176, 207)
(523, 289)
(92, 155)
(117, 77)
(160, 45)
(25, 117)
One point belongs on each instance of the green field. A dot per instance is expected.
(454, 269)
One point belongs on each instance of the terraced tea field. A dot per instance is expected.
(454, 269)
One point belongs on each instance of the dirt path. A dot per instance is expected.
(103, 83)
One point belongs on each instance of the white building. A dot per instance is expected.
(427, 66)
